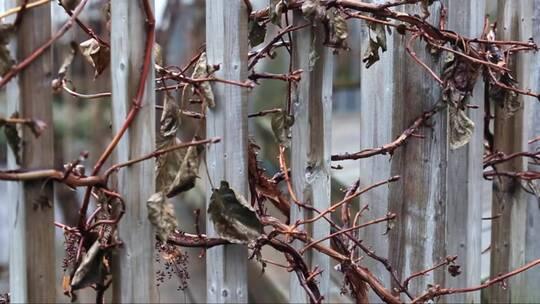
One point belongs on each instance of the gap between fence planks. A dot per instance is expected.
(31, 226)
(227, 45)
(134, 276)
(311, 143)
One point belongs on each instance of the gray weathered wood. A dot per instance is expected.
(419, 198)
(31, 213)
(311, 140)
(226, 45)
(464, 201)
(377, 94)
(513, 240)
(134, 271)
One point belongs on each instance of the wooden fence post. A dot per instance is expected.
(227, 45)
(419, 198)
(377, 93)
(465, 171)
(512, 238)
(311, 141)
(31, 269)
(134, 271)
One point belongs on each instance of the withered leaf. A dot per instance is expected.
(233, 217)
(281, 124)
(377, 40)
(458, 78)
(313, 9)
(92, 269)
(169, 117)
(425, 4)
(461, 127)
(337, 29)
(277, 7)
(201, 70)
(99, 56)
(6, 61)
(14, 138)
(68, 59)
(261, 186)
(454, 270)
(37, 127)
(188, 173)
(168, 164)
(161, 215)
(257, 33)
(158, 54)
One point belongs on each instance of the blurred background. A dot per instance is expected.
(84, 125)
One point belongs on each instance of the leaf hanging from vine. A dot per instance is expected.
(281, 125)
(337, 30)
(377, 40)
(234, 219)
(201, 70)
(6, 61)
(257, 33)
(92, 270)
(14, 138)
(99, 56)
(188, 173)
(161, 215)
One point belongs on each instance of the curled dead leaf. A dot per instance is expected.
(99, 56)
(92, 269)
(161, 215)
(188, 173)
(234, 219)
(377, 40)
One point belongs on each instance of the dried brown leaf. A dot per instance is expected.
(6, 60)
(99, 56)
(188, 173)
(234, 219)
(161, 215)
(92, 269)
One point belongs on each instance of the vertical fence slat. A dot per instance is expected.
(226, 45)
(464, 202)
(31, 203)
(509, 245)
(311, 140)
(529, 284)
(377, 93)
(134, 271)
(419, 198)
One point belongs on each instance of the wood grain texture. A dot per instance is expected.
(31, 203)
(311, 140)
(512, 238)
(419, 198)
(377, 94)
(464, 201)
(133, 264)
(227, 45)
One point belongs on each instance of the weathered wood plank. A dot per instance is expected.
(377, 93)
(31, 212)
(134, 271)
(311, 141)
(227, 45)
(419, 198)
(464, 201)
(512, 238)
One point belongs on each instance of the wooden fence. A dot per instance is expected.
(438, 200)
